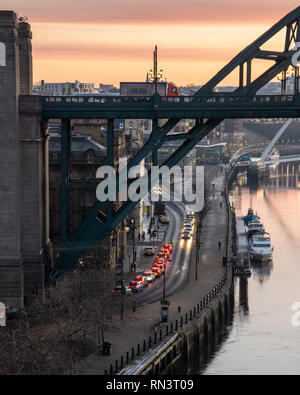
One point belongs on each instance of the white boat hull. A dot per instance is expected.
(261, 256)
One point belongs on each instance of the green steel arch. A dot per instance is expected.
(97, 225)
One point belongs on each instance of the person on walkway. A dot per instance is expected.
(220, 245)
(221, 205)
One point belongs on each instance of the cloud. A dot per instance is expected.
(152, 12)
(123, 53)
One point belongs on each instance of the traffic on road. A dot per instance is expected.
(171, 259)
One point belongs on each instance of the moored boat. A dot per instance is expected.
(250, 217)
(260, 248)
(255, 227)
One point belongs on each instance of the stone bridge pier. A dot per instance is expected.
(25, 248)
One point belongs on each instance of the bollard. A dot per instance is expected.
(194, 311)
(191, 315)
(105, 372)
(132, 353)
(160, 334)
(186, 318)
(181, 322)
(198, 308)
(111, 370)
(171, 327)
(167, 330)
(116, 363)
(122, 362)
(127, 357)
(138, 349)
(144, 345)
(176, 325)
(150, 340)
(155, 337)
(201, 305)
(179, 309)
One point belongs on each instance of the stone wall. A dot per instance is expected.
(24, 218)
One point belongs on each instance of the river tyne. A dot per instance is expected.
(264, 336)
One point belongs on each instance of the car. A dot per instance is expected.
(150, 276)
(118, 290)
(156, 271)
(145, 280)
(188, 227)
(140, 280)
(186, 235)
(135, 286)
(189, 218)
(149, 251)
(164, 219)
(13, 313)
(190, 212)
(161, 267)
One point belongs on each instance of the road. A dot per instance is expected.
(178, 268)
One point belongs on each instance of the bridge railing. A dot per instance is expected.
(216, 99)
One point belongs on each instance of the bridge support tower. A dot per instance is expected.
(24, 221)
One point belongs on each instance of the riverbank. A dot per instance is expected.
(263, 337)
(131, 336)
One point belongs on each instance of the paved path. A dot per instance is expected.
(137, 326)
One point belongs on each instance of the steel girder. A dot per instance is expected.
(97, 226)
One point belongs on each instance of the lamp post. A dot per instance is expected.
(164, 287)
(164, 301)
(197, 250)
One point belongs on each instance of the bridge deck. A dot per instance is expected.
(163, 107)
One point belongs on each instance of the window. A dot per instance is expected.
(133, 91)
(90, 157)
(2, 55)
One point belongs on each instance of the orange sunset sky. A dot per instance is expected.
(110, 41)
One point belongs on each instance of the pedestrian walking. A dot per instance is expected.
(220, 245)
(221, 205)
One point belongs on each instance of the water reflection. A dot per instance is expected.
(261, 273)
(261, 339)
(243, 299)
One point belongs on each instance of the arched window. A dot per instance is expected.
(2, 54)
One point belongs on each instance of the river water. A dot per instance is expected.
(262, 338)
